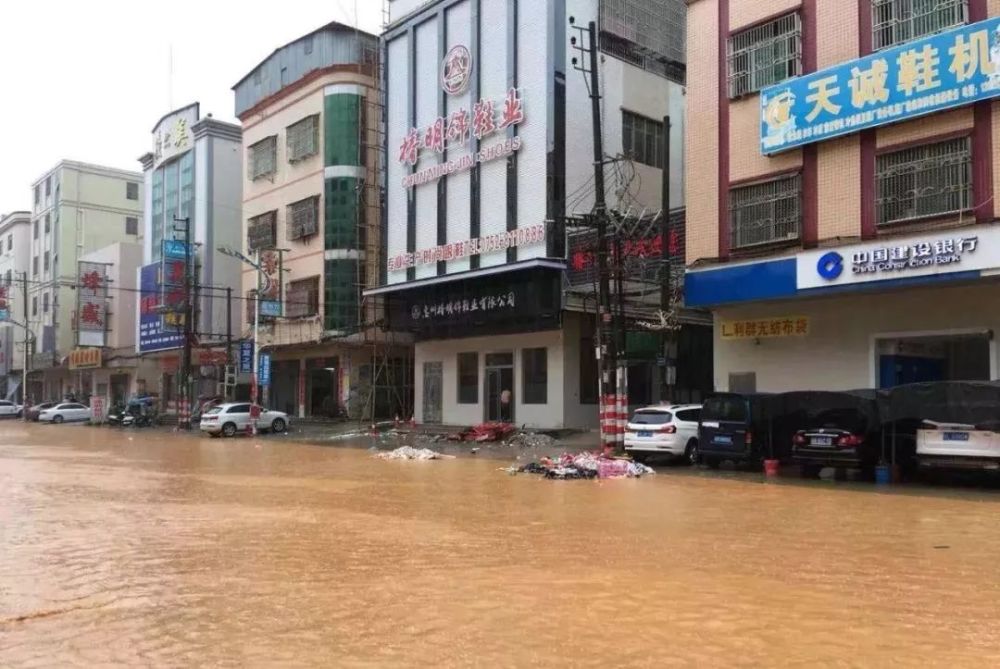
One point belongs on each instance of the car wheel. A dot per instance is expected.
(278, 425)
(229, 430)
(57, 419)
(691, 455)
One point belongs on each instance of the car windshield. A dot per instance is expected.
(651, 417)
(213, 410)
(724, 408)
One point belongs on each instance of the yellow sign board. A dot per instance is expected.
(761, 328)
(84, 358)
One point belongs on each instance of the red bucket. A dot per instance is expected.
(771, 467)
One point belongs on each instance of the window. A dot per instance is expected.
(302, 298)
(642, 139)
(48, 223)
(651, 417)
(307, 45)
(301, 218)
(302, 138)
(45, 302)
(34, 305)
(48, 186)
(535, 375)
(898, 21)
(765, 55)
(8, 278)
(38, 195)
(468, 378)
(34, 229)
(765, 213)
(239, 408)
(689, 415)
(34, 265)
(10, 242)
(726, 407)
(262, 231)
(924, 181)
(262, 159)
(45, 261)
(131, 190)
(131, 225)
(588, 371)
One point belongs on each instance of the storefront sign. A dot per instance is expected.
(264, 369)
(968, 249)
(91, 304)
(173, 135)
(173, 248)
(246, 357)
(271, 293)
(84, 358)
(4, 305)
(487, 303)
(766, 328)
(950, 69)
(534, 234)
(154, 333)
(45, 360)
(486, 119)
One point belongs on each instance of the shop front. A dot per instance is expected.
(873, 315)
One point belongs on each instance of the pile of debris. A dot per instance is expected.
(584, 466)
(532, 440)
(410, 453)
(492, 431)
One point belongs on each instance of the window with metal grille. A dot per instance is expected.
(898, 21)
(765, 55)
(302, 218)
(262, 158)
(131, 190)
(765, 213)
(642, 139)
(302, 138)
(262, 231)
(131, 225)
(924, 181)
(302, 298)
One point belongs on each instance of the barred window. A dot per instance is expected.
(898, 21)
(303, 138)
(765, 55)
(924, 181)
(302, 218)
(765, 213)
(262, 159)
(302, 298)
(642, 139)
(262, 231)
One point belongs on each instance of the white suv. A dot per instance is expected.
(664, 430)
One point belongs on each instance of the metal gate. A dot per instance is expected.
(432, 392)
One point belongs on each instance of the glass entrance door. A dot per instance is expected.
(499, 391)
(432, 392)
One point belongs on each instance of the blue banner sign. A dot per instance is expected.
(270, 309)
(173, 248)
(246, 357)
(154, 333)
(264, 369)
(943, 71)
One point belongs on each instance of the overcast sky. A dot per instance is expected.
(86, 80)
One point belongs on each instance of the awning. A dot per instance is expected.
(470, 274)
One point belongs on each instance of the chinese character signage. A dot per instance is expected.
(154, 333)
(246, 357)
(487, 118)
(271, 264)
(766, 328)
(947, 70)
(493, 302)
(173, 135)
(963, 250)
(4, 305)
(264, 369)
(84, 358)
(91, 304)
(534, 234)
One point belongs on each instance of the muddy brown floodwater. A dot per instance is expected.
(142, 548)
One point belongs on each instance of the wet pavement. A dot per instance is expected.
(147, 548)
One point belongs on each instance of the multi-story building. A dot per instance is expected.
(77, 208)
(840, 188)
(193, 187)
(311, 199)
(15, 243)
(490, 159)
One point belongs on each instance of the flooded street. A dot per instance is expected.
(146, 548)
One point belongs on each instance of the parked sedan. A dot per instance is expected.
(34, 411)
(9, 409)
(65, 412)
(230, 419)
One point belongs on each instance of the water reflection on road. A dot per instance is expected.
(141, 548)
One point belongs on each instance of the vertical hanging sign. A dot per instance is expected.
(91, 304)
(271, 293)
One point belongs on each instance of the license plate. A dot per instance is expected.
(722, 439)
(821, 441)
(645, 434)
(956, 436)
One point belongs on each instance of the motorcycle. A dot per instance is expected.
(117, 414)
(140, 412)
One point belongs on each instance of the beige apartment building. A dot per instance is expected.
(842, 167)
(310, 113)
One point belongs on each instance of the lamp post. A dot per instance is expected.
(254, 385)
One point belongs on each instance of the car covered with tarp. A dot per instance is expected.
(834, 429)
(745, 428)
(956, 424)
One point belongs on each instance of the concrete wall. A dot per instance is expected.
(702, 131)
(838, 353)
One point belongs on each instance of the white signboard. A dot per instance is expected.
(173, 136)
(967, 249)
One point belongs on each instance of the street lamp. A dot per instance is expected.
(254, 388)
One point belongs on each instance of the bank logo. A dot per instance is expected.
(830, 265)
(456, 70)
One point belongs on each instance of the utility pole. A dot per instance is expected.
(606, 347)
(27, 344)
(668, 336)
(230, 363)
(184, 414)
(254, 385)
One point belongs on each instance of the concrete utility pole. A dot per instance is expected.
(668, 337)
(184, 415)
(255, 263)
(27, 344)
